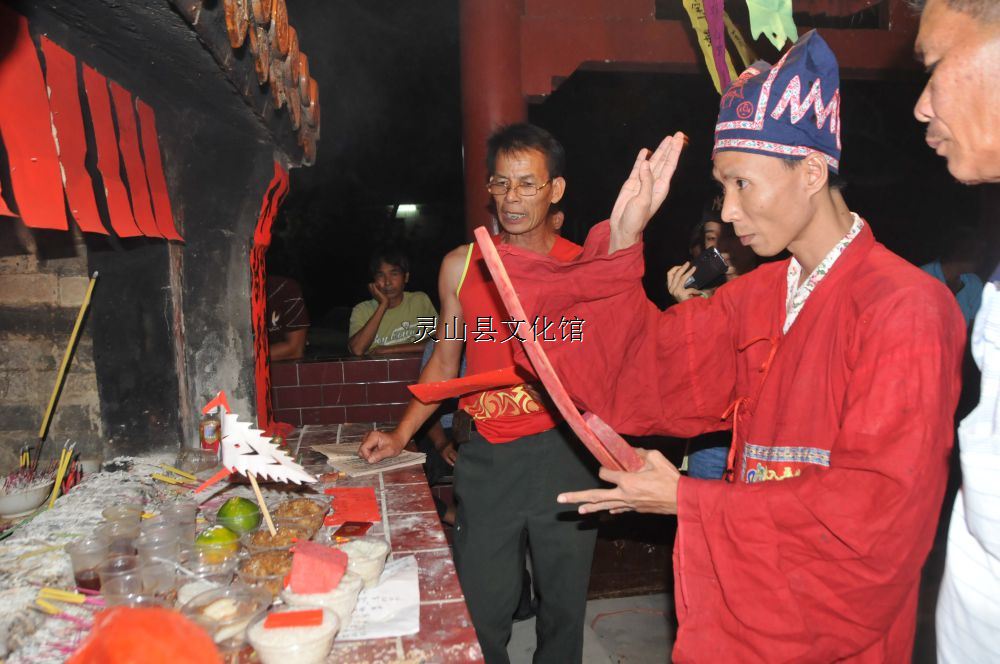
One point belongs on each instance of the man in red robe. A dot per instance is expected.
(837, 371)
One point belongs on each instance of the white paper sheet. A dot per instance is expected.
(392, 608)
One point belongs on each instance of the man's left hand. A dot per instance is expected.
(651, 490)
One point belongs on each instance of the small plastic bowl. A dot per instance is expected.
(261, 539)
(269, 580)
(226, 612)
(341, 600)
(302, 645)
(366, 558)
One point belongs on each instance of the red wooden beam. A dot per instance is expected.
(555, 42)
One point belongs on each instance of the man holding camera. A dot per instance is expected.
(837, 370)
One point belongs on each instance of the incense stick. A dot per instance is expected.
(263, 507)
(61, 376)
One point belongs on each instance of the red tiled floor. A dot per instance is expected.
(415, 532)
(410, 475)
(446, 635)
(407, 498)
(363, 652)
(438, 579)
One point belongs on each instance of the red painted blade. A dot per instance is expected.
(27, 129)
(135, 169)
(64, 100)
(119, 209)
(607, 446)
(154, 172)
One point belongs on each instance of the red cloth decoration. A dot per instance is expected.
(26, 128)
(306, 618)
(135, 169)
(316, 568)
(64, 101)
(124, 635)
(456, 387)
(352, 504)
(276, 191)
(610, 449)
(154, 172)
(119, 209)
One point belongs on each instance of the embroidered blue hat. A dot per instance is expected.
(763, 111)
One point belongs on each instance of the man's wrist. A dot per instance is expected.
(619, 241)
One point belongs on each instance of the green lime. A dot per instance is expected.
(217, 543)
(239, 515)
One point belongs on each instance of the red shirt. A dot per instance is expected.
(509, 413)
(843, 431)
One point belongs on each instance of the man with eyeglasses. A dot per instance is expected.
(520, 456)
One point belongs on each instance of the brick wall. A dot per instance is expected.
(348, 390)
(43, 279)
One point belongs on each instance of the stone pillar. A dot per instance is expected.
(491, 89)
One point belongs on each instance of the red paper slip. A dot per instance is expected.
(353, 504)
(610, 449)
(307, 618)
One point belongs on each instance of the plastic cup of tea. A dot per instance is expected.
(184, 514)
(158, 578)
(149, 547)
(112, 572)
(120, 536)
(128, 514)
(86, 555)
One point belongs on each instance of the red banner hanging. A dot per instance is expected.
(276, 191)
(135, 169)
(67, 117)
(119, 209)
(154, 172)
(26, 128)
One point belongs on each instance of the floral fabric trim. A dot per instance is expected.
(797, 295)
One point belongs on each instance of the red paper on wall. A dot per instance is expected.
(316, 568)
(26, 128)
(352, 504)
(275, 193)
(67, 117)
(154, 172)
(135, 169)
(119, 209)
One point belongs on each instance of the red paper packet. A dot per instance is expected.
(306, 618)
(352, 504)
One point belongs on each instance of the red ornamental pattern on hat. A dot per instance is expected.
(765, 127)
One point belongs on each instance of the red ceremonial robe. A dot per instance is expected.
(851, 410)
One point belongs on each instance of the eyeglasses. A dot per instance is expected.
(527, 189)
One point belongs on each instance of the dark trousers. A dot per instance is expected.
(506, 499)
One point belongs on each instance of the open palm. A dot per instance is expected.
(644, 191)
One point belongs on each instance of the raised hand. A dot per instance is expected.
(644, 191)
